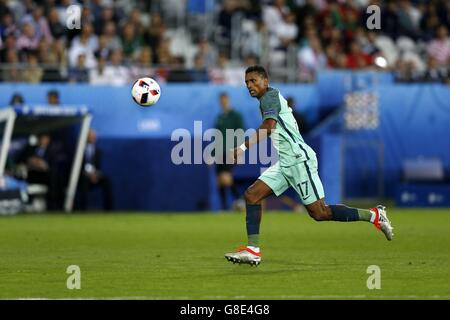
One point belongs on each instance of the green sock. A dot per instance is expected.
(253, 240)
(364, 215)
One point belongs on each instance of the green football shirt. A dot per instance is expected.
(286, 138)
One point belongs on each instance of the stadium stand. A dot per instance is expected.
(295, 38)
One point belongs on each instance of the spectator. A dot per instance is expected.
(311, 59)
(255, 43)
(135, 19)
(198, 72)
(429, 24)
(444, 13)
(436, 72)
(53, 98)
(274, 18)
(287, 32)
(49, 59)
(57, 29)
(97, 75)
(207, 53)
(408, 19)
(217, 74)
(356, 58)
(39, 23)
(29, 39)
(11, 73)
(155, 33)
(112, 39)
(227, 119)
(8, 27)
(115, 71)
(103, 50)
(92, 176)
(131, 41)
(142, 65)
(86, 43)
(9, 44)
(61, 138)
(106, 17)
(40, 161)
(17, 100)
(407, 71)
(390, 20)
(164, 55)
(33, 72)
(79, 74)
(228, 10)
(308, 9)
(366, 41)
(439, 48)
(4, 9)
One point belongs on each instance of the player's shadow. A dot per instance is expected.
(293, 268)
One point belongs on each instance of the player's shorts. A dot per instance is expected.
(224, 168)
(303, 177)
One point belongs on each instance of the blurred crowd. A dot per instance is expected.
(215, 40)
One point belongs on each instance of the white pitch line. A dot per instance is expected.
(301, 297)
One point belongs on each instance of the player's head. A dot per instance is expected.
(53, 97)
(256, 80)
(224, 101)
(44, 140)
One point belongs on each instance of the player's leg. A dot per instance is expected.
(271, 181)
(253, 197)
(311, 191)
(319, 211)
(223, 182)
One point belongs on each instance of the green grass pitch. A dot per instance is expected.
(181, 256)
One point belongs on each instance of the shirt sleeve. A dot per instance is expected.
(270, 106)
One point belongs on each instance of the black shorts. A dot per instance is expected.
(224, 168)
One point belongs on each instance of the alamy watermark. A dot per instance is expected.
(191, 148)
(374, 280)
(73, 19)
(74, 280)
(374, 20)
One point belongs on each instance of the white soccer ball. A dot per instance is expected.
(146, 92)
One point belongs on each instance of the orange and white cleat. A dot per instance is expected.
(381, 221)
(245, 255)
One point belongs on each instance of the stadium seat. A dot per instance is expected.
(406, 44)
(388, 48)
(37, 198)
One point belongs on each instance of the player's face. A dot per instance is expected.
(256, 84)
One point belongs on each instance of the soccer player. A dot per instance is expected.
(296, 167)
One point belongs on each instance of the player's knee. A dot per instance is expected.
(251, 197)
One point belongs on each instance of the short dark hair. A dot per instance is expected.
(53, 92)
(259, 70)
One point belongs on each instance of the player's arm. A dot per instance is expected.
(264, 131)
